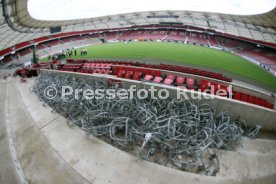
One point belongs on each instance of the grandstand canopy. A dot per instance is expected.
(88, 9)
(22, 16)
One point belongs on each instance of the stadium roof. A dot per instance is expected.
(24, 27)
(19, 11)
(80, 9)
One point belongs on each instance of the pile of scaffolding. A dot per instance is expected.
(175, 133)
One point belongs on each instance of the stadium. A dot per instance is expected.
(78, 92)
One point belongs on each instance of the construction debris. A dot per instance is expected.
(174, 133)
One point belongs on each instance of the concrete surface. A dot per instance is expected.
(8, 173)
(49, 151)
(39, 161)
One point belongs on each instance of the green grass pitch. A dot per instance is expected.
(183, 54)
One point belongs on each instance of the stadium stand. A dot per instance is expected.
(263, 55)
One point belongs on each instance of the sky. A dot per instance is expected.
(79, 9)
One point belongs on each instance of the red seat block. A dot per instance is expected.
(190, 83)
(128, 74)
(195, 71)
(157, 73)
(257, 101)
(170, 67)
(251, 99)
(139, 70)
(157, 79)
(187, 70)
(178, 69)
(148, 77)
(116, 70)
(244, 98)
(219, 76)
(203, 85)
(228, 79)
(163, 66)
(137, 75)
(148, 72)
(121, 73)
(237, 96)
(212, 74)
(263, 102)
(204, 73)
(170, 76)
(180, 80)
(168, 81)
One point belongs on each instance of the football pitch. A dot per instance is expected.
(182, 54)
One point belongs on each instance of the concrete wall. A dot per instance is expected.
(252, 114)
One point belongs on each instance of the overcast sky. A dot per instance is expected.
(77, 9)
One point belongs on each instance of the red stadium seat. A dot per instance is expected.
(170, 67)
(121, 73)
(116, 70)
(203, 85)
(187, 70)
(251, 99)
(157, 79)
(237, 95)
(190, 83)
(219, 76)
(163, 66)
(168, 81)
(97, 66)
(267, 105)
(157, 73)
(227, 79)
(204, 73)
(178, 69)
(244, 98)
(170, 76)
(128, 74)
(263, 102)
(145, 65)
(180, 80)
(137, 75)
(257, 101)
(148, 71)
(212, 75)
(139, 70)
(195, 71)
(152, 66)
(148, 77)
